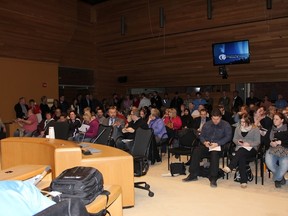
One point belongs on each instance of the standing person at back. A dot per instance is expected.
(225, 101)
(209, 101)
(156, 100)
(64, 106)
(44, 107)
(144, 101)
(252, 99)
(176, 103)
(237, 101)
(214, 135)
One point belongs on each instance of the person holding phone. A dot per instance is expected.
(214, 134)
(276, 157)
(247, 139)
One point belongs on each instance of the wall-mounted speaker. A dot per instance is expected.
(122, 79)
(123, 25)
(161, 17)
(209, 9)
(223, 72)
(269, 4)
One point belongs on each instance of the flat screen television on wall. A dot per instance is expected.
(234, 52)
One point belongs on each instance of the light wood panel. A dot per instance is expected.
(115, 164)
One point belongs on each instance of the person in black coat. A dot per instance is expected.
(187, 120)
(237, 101)
(21, 108)
(201, 120)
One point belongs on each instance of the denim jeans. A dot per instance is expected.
(278, 170)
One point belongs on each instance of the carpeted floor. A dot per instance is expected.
(174, 197)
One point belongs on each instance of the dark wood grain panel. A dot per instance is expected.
(75, 34)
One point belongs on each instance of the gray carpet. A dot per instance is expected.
(174, 197)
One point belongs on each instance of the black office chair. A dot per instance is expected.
(104, 135)
(187, 141)
(61, 130)
(140, 151)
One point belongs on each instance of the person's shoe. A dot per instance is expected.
(190, 178)
(283, 181)
(226, 169)
(213, 183)
(278, 184)
(243, 185)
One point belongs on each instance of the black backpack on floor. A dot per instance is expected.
(85, 183)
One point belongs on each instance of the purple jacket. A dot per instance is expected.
(93, 129)
(158, 127)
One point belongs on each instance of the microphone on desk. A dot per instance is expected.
(38, 178)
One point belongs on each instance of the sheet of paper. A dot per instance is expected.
(217, 148)
(84, 128)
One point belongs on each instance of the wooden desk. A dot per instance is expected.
(114, 202)
(23, 172)
(115, 165)
(11, 127)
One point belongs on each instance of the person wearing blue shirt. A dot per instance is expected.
(214, 134)
(281, 103)
(198, 101)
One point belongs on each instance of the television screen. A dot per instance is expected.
(235, 52)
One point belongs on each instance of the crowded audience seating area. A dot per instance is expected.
(254, 129)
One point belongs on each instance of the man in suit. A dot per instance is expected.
(128, 133)
(116, 122)
(198, 122)
(21, 108)
(86, 102)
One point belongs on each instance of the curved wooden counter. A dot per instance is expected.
(115, 165)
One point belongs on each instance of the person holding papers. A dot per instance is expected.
(214, 134)
(247, 139)
(92, 130)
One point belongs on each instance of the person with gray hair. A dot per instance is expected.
(125, 142)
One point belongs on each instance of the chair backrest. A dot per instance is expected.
(61, 130)
(104, 135)
(188, 138)
(143, 138)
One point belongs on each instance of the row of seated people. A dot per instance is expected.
(123, 131)
(247, 137)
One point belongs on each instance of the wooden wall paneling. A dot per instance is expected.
(36, 29)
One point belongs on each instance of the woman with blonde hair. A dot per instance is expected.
(173, 123)
(159, 130)
(91, 132)
(247, 140)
